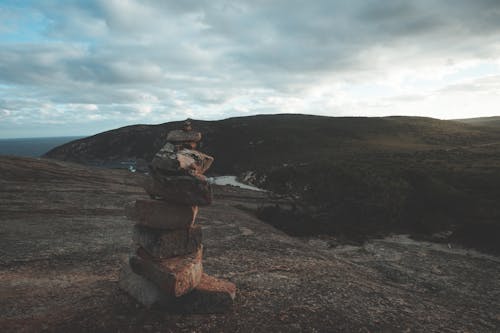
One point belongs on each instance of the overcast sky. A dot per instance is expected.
(82, 67)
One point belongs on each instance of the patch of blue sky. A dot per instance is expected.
(20, 23)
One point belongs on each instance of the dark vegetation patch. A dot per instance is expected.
(355, 178)
(373, 197)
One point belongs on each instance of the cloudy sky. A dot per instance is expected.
(81, 67)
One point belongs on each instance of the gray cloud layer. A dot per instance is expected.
(117, 62)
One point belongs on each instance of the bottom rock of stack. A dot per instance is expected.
(212, 295)
(143, 290)
(176, 276)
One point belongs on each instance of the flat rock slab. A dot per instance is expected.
(160, 214)
(188, 190)
(185, 161)
(165, 244)
(60, 252)
(175, 276)
(212, 295)
(181, 136)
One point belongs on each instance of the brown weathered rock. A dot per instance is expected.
(187, 190)
(175, 276)
(212, 295)
(179, 136)
(166, 244)
(162, 215)
(194, 160)
(181, 162)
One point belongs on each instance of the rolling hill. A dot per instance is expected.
(349, 177)
(245, 143)
(482, 121)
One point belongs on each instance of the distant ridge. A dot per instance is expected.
(244, 143)
(482, 121)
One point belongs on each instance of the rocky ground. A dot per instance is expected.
(63, 237)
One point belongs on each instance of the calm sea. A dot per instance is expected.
(32, 147)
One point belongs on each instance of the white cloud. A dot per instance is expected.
(112, 63)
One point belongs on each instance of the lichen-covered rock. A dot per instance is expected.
(166, 244)
(175, 276)
(168, 150)
(161, 214)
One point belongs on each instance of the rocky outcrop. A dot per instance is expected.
(168, 261)
(64, 236)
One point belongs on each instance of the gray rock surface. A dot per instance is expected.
(63, 236)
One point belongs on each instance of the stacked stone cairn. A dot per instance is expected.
(165, 269)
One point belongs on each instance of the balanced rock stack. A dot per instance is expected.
(166, 267)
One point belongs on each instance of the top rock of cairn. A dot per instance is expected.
(178, 157)
(186, 137)
(177, 169)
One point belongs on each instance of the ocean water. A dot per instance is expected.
(32, 147)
